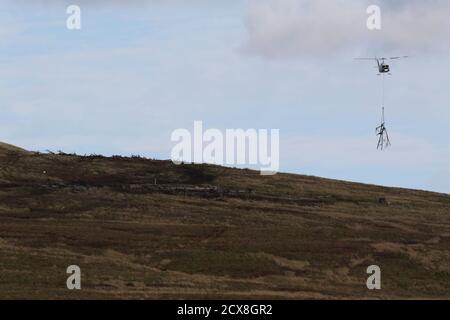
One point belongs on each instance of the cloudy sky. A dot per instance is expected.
(137, 70)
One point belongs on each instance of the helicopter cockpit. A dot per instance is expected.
(385, 68)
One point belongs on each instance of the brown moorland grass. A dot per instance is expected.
(141, 228)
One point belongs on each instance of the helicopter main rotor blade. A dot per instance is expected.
(402, 57)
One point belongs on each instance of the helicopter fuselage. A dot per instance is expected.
(383, 67)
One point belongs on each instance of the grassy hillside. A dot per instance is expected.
(141, 228)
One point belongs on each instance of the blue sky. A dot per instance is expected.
(138, 71)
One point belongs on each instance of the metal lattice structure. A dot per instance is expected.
(383, 136)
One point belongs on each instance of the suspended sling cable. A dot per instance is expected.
(381, 131)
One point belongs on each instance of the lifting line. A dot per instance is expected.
(381, 131)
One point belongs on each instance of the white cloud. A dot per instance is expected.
(299, 28)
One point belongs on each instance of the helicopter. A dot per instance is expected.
(383, 67)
